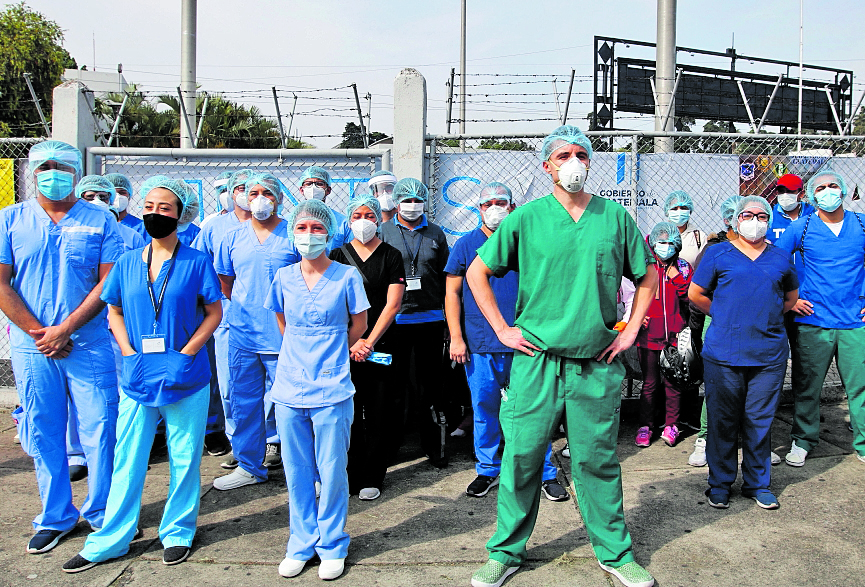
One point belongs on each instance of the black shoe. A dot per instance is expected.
(174, 555)
(481, 485)
(272, 457)
(77, 472)
(229, 464)
(554, 491)
(216, 444)
(77, 564)
(45, 540)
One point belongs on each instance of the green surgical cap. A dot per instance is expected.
(315, 209)
(54, 151)
(728, 209)
(268, 181)
(565, 135)
(96, 183)
(188, 198)
(822, 178)
(367, 200)
(314, 172)
(410, 187)
(678, 198)
(668, 232)
(748, 202)
(120, 181)
(495, 190)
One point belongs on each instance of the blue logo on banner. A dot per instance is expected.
(456, 204)
(620, 168)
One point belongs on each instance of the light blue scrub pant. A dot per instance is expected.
(74, 452)
(488, 374)
(252, 376)
(215, 415)
(185, 422)
(220, 345)
(86, 379)
(316, 438)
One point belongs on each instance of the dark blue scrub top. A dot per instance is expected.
(479, 335)
(747, 326)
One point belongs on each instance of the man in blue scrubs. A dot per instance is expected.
(829, 321)
(55, 252)
(315, 185)
(789, 205)
(475, 344)
(249, 256)
(123, 187)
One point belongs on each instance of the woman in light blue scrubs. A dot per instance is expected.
(164, 303)
(321, 308)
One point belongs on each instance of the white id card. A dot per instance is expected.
(153, 343)
(412, 283)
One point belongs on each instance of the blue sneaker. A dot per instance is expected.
(718, 499)
(765, 499)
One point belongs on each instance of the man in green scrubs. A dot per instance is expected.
(571, 249)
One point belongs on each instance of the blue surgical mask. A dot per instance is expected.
(828, 199)
(55, 184)
(310, 246)
(665, 250)
(679, 217)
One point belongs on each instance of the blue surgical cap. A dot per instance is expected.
(188, 198)
(382, 173)
(96, 183)
(748, 202)
(369, 201)
(315, 209)
(495, 190)
(678, 198)
(314, 172)
(221, 182)
(728, 209)
(565, 135)
(410, 187)
(55, 151)
(238, 178)
(667, 232)
(120, 181)
(822, 178)
(268, 181)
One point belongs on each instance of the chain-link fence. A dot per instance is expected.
(349, 170)
(14, 187)
(625, 168)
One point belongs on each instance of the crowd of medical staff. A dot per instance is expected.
(309, 340)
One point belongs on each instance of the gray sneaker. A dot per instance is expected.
(272, 457)
(230, 463)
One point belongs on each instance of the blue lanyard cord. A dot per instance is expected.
(408, 250)
(157, 304)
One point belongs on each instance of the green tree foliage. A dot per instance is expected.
(859, 123)
(505, 145)
(352, 137)
(29, 43)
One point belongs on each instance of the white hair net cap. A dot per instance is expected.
(188, 198)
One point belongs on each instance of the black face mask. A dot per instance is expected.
(159, 225)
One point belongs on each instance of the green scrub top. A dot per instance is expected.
(569, 271)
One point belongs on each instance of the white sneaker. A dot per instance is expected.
(861, 458)
(776, 460)
(796, 456)
(317, 489)
(331, 568)
(698, 457)
(237, 478)
(566, 452)
(369, 493)
(290, 567)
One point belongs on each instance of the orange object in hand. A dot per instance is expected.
(620, 326)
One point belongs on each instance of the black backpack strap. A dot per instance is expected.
(697, 237)
(801, 248)
(351, 260)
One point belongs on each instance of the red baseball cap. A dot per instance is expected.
(791, 182)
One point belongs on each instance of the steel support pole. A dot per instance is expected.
(117, 120)
(360, 117)
(188, 19)
(450, 101)
(279, 118)
(36, 101)
(568, 101)
(201, 120)
(665, 73)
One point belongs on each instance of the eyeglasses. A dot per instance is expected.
(761, 216)
(318, 183)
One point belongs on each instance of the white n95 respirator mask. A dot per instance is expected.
(572, 175)
(262, 208)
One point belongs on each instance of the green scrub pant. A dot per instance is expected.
(589, 394)
(811, 359)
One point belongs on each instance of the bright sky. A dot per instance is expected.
(314, 44)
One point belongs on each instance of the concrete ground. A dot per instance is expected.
(424, 531)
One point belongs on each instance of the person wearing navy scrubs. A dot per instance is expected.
(55, 253)
(829, 314)
(746, 286)
(320, 307)
(475, 344)
(164, 303)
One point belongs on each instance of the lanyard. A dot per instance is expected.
(408, 250)
(157, 304)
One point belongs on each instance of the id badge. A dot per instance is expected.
(152, 343)
(412, 283)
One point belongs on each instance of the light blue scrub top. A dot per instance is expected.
(135, 223)
(208, 239)
(192, 284)
(253, 265)
(55, 266)
(131, 238)
(831, 270)
(313, 367)
(186, 235)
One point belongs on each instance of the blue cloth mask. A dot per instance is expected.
(55, 184)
